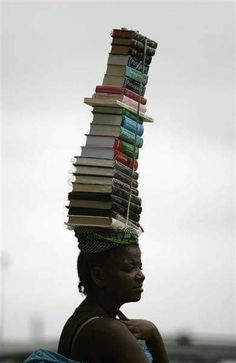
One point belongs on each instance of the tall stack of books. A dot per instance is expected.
(105, 178)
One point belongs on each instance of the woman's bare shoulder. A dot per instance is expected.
(109, 339)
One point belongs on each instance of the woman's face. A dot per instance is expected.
(124, 277)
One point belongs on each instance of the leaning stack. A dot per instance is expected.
(105, 178)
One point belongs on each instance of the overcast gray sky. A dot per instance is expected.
(54, 55)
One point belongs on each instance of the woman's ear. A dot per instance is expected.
(98, 276)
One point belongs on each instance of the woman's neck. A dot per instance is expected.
(106, 303)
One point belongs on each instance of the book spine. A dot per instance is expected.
(141, 38)
(125, 179)
(123, 211)
(120, 33)
(124, 202)
(137, 64)
(121, 192)
(136, 75)
(134, 87)
(131, 125)
(129, 137)
(137, 54)
(140, 46)
(124, 159)
(120, 185)
(132, 116)
(116, 192)
(135, 96)
(126, 170)
(126, 148)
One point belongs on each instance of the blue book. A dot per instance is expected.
(131, 125)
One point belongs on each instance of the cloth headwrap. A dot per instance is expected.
(95, 239)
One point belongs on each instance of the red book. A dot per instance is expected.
(126, 160)
(120, 90)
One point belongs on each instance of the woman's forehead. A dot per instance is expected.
(129, 253)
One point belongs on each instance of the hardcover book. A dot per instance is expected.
(132, 34)
(116, 103)
(127, 60)
(125, 71)
(100, 196)
(119, 90)
(133, 43)
(112, 111)
(101, 138)
(106, 163)
(122, 98)
(124, 82)
(106, 171)
(124, 49)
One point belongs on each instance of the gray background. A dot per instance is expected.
(54, 55)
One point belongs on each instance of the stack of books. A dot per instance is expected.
(105, 178)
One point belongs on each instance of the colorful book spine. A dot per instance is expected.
(136, 75)
(132, 125)
(130, 137)
(137, 64)
(126, 148)
(126, 160)
(120, 91)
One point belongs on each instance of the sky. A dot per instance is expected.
(54, 55)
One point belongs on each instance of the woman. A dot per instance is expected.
(110, 272)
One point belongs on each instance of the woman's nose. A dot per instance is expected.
(140, 276)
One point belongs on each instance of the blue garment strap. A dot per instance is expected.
(47, 356)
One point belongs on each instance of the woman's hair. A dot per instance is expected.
(86, 261)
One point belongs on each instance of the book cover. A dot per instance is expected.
(99, 137)
(116, 222)
(124, 82)
(119, 90)
(104, 212)
(123, 49)
(134, 43)
(104, 179)
(104, 97)
(128, 60)
(102, 196)
(106, 171)
(97, 110)
(125, 33)
(106, 102)
(101, 204)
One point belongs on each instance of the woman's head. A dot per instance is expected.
(115, 272)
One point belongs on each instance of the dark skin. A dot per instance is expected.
(114, 340)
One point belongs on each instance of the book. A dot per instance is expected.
(119, 90)
(106, 163)
(100, 196)
(109, 102)
(99, 188)
(109, 152)
(116, 111)
(101, 204)
(99, 139)
(106, 171)
(104, 179)
(133, 43)
(118, 120)
(122, 98)
(127, 60)
(124, 49)
(125, 33)
(115, 130)
(126, 71)
(118, 222)
(124, 82)
(116, 208)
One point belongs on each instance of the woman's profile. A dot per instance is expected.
(110, 273)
